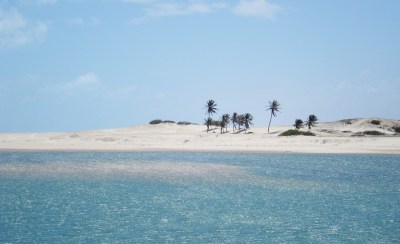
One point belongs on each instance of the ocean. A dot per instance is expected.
(186, 197)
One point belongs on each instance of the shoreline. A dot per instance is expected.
(155, 150)
(330, 138)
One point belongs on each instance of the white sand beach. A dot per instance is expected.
(345, 136)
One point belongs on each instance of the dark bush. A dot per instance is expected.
(296, 133)
(369, 133)
(216, 123)
(185, 123)
(396, 129)
(373, 133)
(169, 122)
(375, 122)
(159, 121)
(155, 122)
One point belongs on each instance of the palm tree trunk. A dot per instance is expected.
(269, 122)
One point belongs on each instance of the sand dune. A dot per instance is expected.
(344, 136)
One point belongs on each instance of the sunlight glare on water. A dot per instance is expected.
(200, 197)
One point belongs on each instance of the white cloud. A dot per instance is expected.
(82, 21)
(248, 8)
(256, 8)
(90, 84)
(35, 2)
(15, 30)
(46, 2)
(175, 9)
(84, 83)
(138, 1)
(365, 72)
(172, 9)
(156, 9)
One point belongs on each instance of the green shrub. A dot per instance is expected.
(296, 133)
(373, 133)
(396, 129)
(185, 123)
(375, 122)
(216, 123)
(169, 122)
(155, 122)
(369, 133)
(159, 121)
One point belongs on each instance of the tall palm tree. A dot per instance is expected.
(211, 108)
(248, 118)
(234, 120)
(312, 121)
(274, 106)
(298, 123)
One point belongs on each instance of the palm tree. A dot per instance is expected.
(240, 121)
(225, 119)
(248, 118)
(208, 122)
(298, 123)
(312, 121)
(274, 107)
(211, 108)
(222, 125)
(234, 120)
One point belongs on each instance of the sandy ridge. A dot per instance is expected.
(332, 137)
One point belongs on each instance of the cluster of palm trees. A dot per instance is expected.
(238, 120)
(311, 122)
(245, 120)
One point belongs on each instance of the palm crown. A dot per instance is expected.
(211, 107)
(312, 121)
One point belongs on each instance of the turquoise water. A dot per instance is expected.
(198, 197)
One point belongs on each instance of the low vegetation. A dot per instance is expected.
(369, 133)
(159, 121)
(155, 122)
(375, 122)
(292, 132)
(396, 129)
(185, 123)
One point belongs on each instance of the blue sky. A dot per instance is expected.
(69, 65)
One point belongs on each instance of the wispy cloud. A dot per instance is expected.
(247, 8)
(35, 2)
(15, 30)
(83, 83)
(90, 84)
(175, 9)
(46, 2)
(84, 21)
(256, 8)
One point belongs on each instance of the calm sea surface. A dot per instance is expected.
(198, 197)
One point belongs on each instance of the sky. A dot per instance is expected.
(71, 65)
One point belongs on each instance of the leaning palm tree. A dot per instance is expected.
(298, 123)
(234, 120)
(312, 121)
(248, 120)
(211, 108)
(208, 122)
(274, 107)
